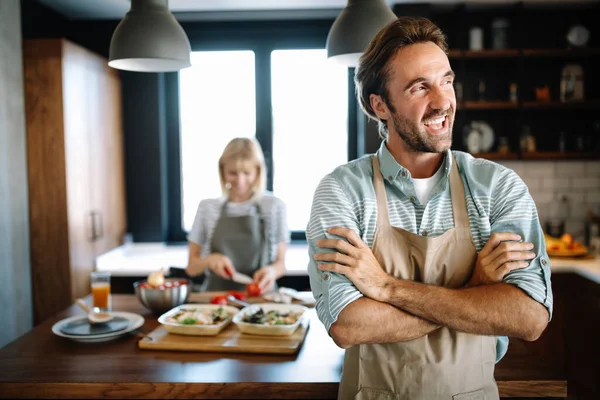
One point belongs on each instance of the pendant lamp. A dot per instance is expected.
(149, 39)
(354, 28)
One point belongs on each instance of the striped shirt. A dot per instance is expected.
(497, 201)
(272, 209)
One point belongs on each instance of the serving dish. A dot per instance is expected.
(197, 319)
(287, 319)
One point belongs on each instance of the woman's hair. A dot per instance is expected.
(244, 152)
(373, 73)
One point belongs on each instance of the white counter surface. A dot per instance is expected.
(139, 259)
(588, 268)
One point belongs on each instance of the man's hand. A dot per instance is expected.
(355, 260)
(220, 265)
(501, 254)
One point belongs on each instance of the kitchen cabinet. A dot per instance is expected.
(75, 168)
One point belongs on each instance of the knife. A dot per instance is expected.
(241, 278)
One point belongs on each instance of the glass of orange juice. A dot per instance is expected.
(101, 290)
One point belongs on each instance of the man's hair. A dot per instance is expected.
(373, 71)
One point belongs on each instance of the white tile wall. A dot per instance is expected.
(549, 181)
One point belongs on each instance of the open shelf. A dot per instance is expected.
(527, 53)
(487, 105)
(540, 155)
(556, 155)
(497, 156)
(559, 53)
(587, 104)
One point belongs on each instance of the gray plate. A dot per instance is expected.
(82, 327)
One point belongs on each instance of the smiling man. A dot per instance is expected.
(423, 259)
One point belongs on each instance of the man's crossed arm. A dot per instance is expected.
(400, 310)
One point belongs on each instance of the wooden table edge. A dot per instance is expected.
(231, 390)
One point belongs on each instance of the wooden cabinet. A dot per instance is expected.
(75, 168)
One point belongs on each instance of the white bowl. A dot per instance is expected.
(196, 330)
(269, 330)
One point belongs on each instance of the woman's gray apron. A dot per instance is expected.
(244, 240)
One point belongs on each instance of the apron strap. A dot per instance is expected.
(459, 202)
(383, 218)
(457, 192)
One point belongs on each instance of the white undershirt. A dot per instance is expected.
(423, 187)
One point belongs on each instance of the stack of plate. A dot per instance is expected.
(79, 329)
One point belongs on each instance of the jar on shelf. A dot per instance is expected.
(503, 146)
(571, 83)
(500, 33)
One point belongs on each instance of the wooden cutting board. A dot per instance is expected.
(204, 298)
(229, 340)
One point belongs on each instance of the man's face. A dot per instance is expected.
(421, 102)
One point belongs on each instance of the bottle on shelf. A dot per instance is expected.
(562, 142)
(527, 142)
(559, 212)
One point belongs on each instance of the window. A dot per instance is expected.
(278, 87)
(217, 102)
(310, 126)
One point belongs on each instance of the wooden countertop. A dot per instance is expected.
(40, 364)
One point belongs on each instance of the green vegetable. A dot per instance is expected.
(189, 321)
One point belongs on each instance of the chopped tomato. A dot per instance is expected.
(253, 289)
(238, 295)
(222, 300)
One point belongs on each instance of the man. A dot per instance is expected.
(421, 256)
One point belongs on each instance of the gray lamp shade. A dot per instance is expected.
(149, 39)
(354, 28)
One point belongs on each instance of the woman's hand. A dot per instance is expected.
(220, 265)
(265, 277)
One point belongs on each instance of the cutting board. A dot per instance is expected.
(204, 298)
(229, 340)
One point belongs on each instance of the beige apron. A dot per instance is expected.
(445, 364)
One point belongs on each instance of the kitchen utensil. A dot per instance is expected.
(94, 317)
(161, 299)
(241, 278)
(237, 301)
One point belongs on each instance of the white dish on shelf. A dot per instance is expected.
(270, 330)
(196, 329)
(135, 321)
(479, 137)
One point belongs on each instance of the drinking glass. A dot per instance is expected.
(101, 290)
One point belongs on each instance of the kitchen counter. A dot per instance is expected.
(588, 268)
(139, 259)
(40, 364)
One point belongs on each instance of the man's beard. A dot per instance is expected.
(417, 138)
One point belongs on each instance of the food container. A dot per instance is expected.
(170, 323)
(266, 329)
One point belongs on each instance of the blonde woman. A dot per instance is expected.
(245, 230)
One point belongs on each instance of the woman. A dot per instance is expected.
(245, 230)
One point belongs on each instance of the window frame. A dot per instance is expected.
(262, 38)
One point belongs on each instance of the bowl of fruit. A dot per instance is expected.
(159, 294)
